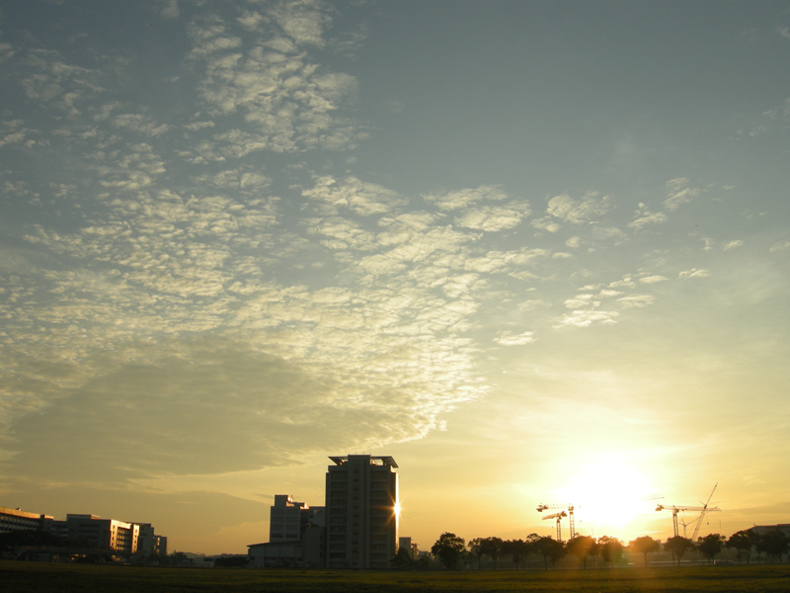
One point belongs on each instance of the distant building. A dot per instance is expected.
(404, 543)
(763, 529)
(296, 536)
(104, 534)
(90, 531)
(361, 512)
(19, 520)
(149, 544)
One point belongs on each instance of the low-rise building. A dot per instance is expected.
(19, 520)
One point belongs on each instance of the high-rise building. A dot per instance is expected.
(361, 512)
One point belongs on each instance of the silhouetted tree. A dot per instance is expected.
(177, 558)
(678, 545)
(475, 547)
(549, 548)
(402, 560)
(517, 549)
(644, 545)
(773, 543)
(710, 545)
(611, 549)
(449, 548)
(581, 546)
(491, 547)
(231, 561)
(742, 542)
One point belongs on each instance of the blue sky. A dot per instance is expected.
(526, 243)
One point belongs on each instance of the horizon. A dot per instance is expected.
(537, 252)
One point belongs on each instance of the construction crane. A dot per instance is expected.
(559, 517)
(564, 507)
(679, 509)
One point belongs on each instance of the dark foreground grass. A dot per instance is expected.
(19, 577)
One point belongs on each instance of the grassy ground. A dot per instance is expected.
(19, 577)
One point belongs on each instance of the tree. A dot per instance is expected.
(475, 547)
(710, 545)
(611, 549)
(449, 548)
(517, 549)
(549, 548)
(403, 560)
(678, 545)
(491, 547)
(581, 546)
(742, 542)
(644, 545)
(773, 543)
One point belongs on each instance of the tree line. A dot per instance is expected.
(454, 552)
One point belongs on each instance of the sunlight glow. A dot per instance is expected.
(610, 498)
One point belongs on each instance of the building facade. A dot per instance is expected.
(296, 536)
(19, 520)
(149, 544)
(104, 534)
(90, 531)
(361, 512)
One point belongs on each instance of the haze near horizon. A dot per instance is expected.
(538, 252)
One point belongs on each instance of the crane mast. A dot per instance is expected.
(679, 509)
(566, 510)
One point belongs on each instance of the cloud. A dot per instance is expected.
(207, 406)
(507, 338)
(586, 318)
(545, 224)
(255, 66)
(643, 218)
(140, 123)
(678, 193)
(169, 9)
(693, 273)
(465, 198)
(733, 245)
(587, 209)
(652, 279)
(351, 194)
(636, 301)
(779, 246)
(303, 21)
(493, 218)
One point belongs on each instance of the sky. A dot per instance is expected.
(538, 252)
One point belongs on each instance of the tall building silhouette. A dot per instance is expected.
(361, 512)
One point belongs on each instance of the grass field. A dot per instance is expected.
(19, 577)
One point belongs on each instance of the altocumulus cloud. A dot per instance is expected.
(190, 293)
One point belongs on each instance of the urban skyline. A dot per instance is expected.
(538, 252)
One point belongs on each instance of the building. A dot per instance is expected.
(764, 529)
(19, 520)
(361, 512)
(104, 534)
(90, 532)
(149, 544)
(296, 536)
(287, 519)
(404, 543)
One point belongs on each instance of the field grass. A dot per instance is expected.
(20, 577)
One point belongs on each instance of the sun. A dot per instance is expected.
(610, 498)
